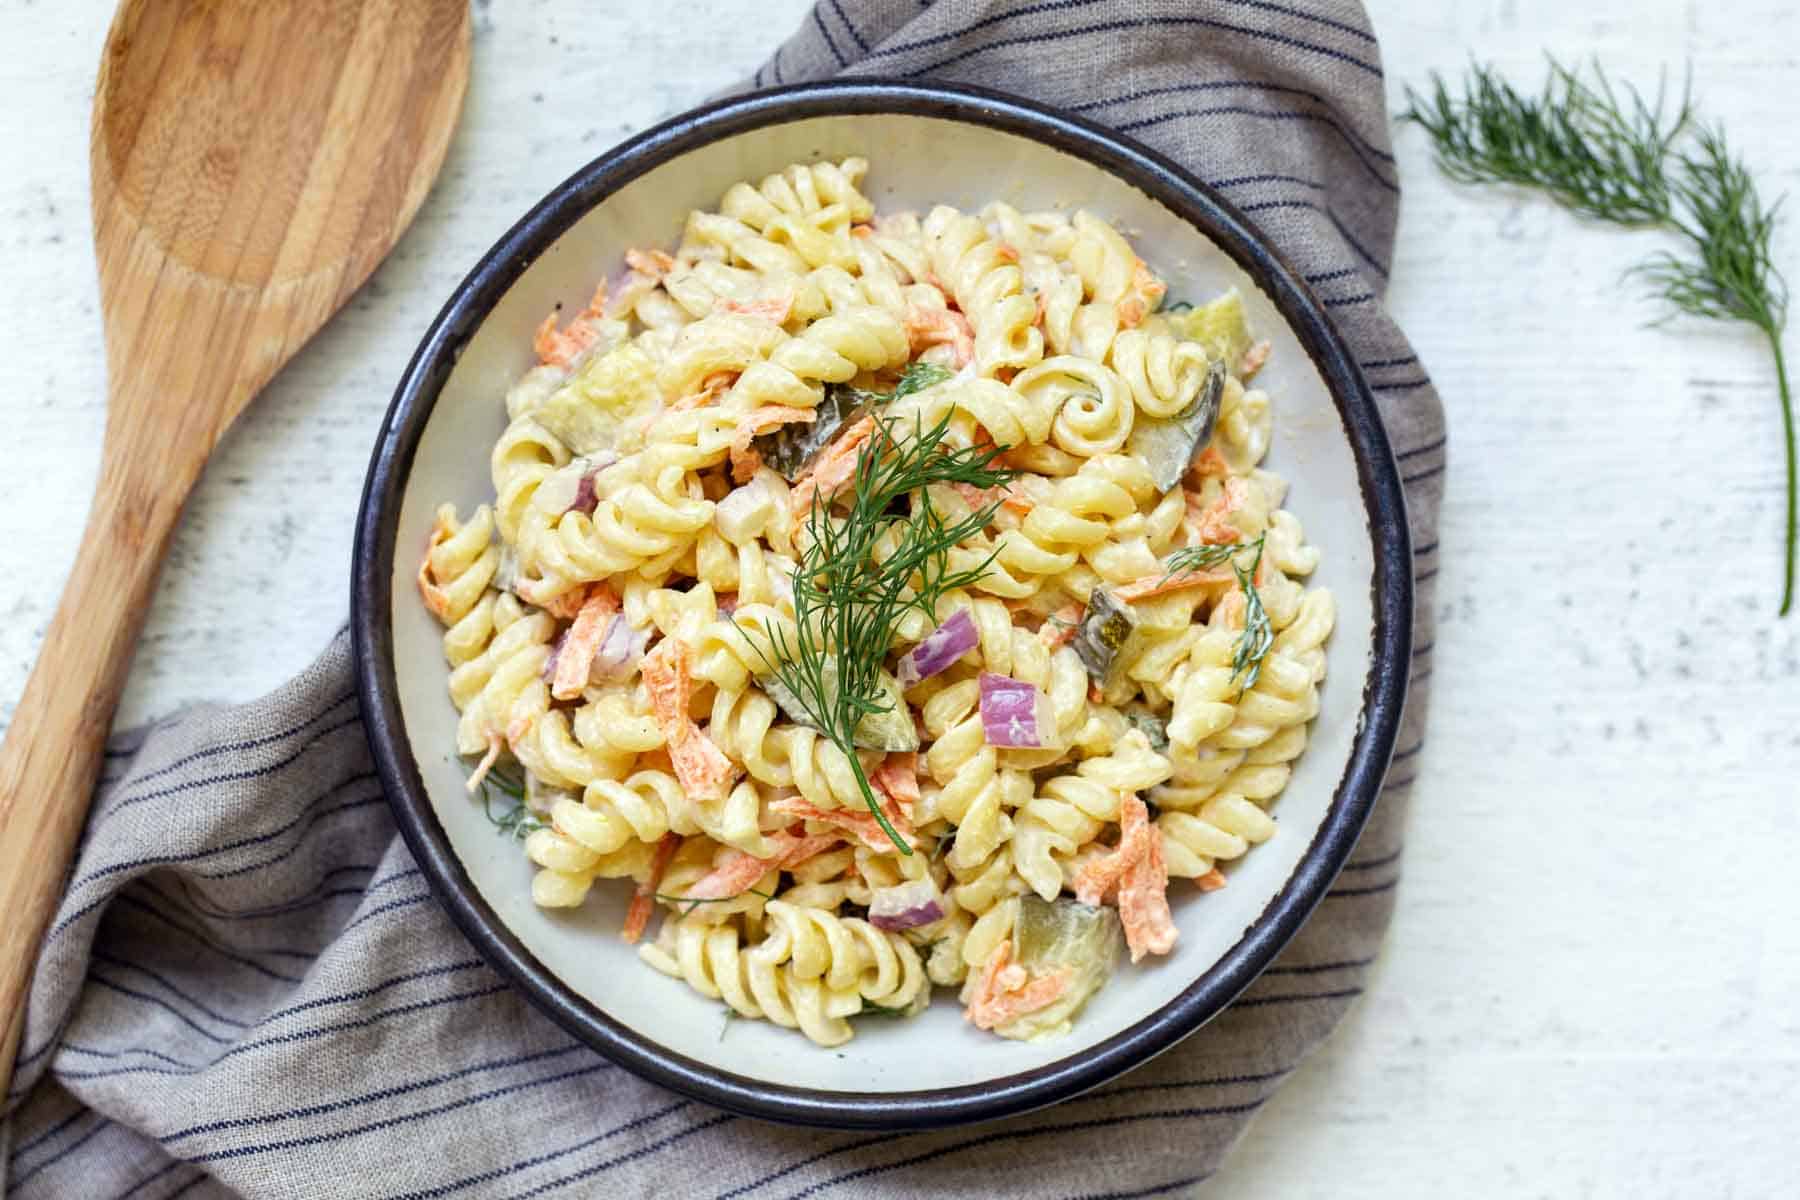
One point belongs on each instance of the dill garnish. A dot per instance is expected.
(861, 571)
(692, 903)
(915, 378)
(1258, 637)
(870, 1009)
(517, 821)
(1611, 154)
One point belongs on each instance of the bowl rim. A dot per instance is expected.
(1384, 690)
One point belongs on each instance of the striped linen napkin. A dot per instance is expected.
(249, 989)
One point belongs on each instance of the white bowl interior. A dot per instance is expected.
(916, 162)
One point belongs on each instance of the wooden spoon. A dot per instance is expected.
(252, 163)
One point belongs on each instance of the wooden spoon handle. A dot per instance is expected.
(52, 751)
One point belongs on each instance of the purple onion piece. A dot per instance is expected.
(620, 651)
(940, 649)
(556, 649)
(905, 905)
(1014, 715)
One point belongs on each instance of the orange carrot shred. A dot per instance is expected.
(644, 896)
(1006, 991)
(744, 459)
(862, 823)
(576, 657)
(1212, 881)
(700, 766)
(735, 874)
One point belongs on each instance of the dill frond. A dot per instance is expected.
(1258, 637)
(1611, 154)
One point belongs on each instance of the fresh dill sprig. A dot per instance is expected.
(692, 903)
(1612, 154)
(916, 377)
(861, 571)
(1258, 637)
(871, 1009)
(517, 821)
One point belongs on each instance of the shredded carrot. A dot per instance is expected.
(898, 778)
(576, 657)
(711, 388)
(1137, 876)
(1006, 991)
(1006, 252)
(1142, 297)
(862, 230)
(643, 899)
(860, 822)
(1095, 695)
(1156, 585)
(1062, 629)
(654, 263)
(1212, 881)
(1144, 898)
(1213, 522)
(941, 327)
(744, 459)
(834, 467)
(562, 346)
(437, 600)
(486, 763)
(1253, 360)
(701, 767)
(1208, 464)
(774, 309)
(1042, 305)
(737, 871)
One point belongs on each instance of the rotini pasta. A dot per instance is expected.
(857, 744)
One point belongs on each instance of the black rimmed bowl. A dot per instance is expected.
(927, 144)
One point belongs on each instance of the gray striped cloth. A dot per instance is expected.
(249, 989)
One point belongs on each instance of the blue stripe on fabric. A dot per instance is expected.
(1328, 276)
(1270, 114)
(1422, 651)
(1393, 785)
(1303, 15)
(124, 964)
(1425, 576)
(826, 34)
(855, 34)
(159, 1002)
(1406, 754)
(390, 906)
(632, 1156)
(1405, 385)
(1153, 1190)
(147, 1180)
(1326, 212)
(1376, 364)
(1215, 85)
(1147, 23)
(1427, 448)
(20, 1180)
(1177, 1114)
(467, 964)
(1421, 476)
(26, 1147)
(249, 744)
(307, 899)
(228, 953)
(320, 1139)
(305, 814)
(1372, 890)
(1276, 177)
(92, 1052)
(302, 1035)
(319, 1110)
(1024, 10)
(1349, 964)
(189, 1186)
(775, 65)
(1265, 1001)
(1421, 552)
(120, 804)
(526, 1164)
(1347, 301)
(1375, 863)
(1182, 1085)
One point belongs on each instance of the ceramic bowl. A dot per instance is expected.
(927, 144)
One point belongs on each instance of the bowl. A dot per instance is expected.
(926, 143)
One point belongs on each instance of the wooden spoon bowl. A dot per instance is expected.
(251, 165)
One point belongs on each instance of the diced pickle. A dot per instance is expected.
(890, 730)
(1168, 445)
(790, 449)
(1063, 935)
(604, 401)
(1105, 626)
(1219, 326)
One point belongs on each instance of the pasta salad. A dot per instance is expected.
(892, 602)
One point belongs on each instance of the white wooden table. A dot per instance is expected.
(1590, 988)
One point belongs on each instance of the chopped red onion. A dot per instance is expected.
(572, 488)
(940, 649)
(620, 651)
(905, 905)
(1015, 715)
(556, 649)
